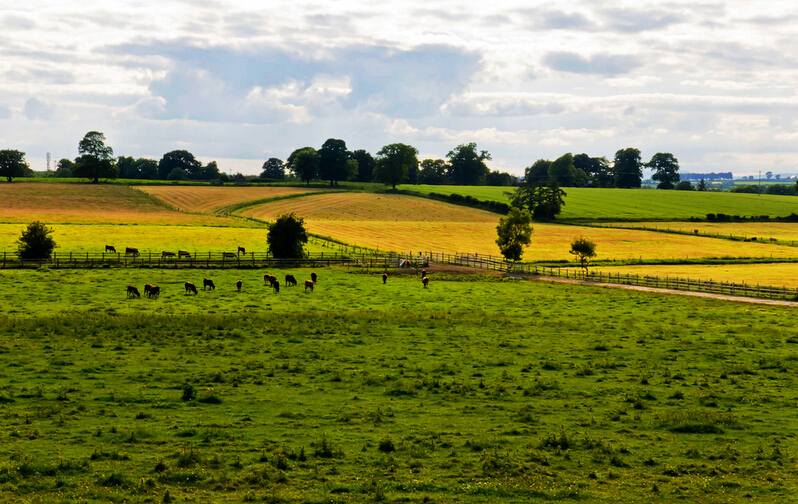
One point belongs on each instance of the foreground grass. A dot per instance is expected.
(363, 392)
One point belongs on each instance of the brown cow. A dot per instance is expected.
(290, 280)
(238, 285)
(110, 248)
(208, 283)
(385, 278)
(190, 287)
(133, 291)
(309, 285)
(131, 250)
(155, 291)
(269, 278)
(147, 289)
(425, 281)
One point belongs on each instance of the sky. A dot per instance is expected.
(712, 82)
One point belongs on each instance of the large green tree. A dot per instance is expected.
(515, 233)
(597, 169)
(394, 162)
(304, 164)
(181, 160)
(543, 199)
(12, 164)
(96, 159)
(273, 169)
(64, 169)
(666, 170)
(287, 236)
(467, 166)
(628, 168)
(365, 165)
(433, 172)
(332, 161)
(566, 173)
(538, 172)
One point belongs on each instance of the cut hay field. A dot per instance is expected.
(781, 231)
(208, 199)
(478, 389)
(639, 204)
(90, 204)
(775, 275)
(406, 223)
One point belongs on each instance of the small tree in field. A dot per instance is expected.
(584, 250)
(36, 242)
(287, 236)
(515, 233)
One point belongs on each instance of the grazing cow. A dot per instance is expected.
(238, 285)
(423, 273)
(167, 254)
(385, 278)
(147, 289)
(225, 255)
(276, 287)
(290, 280)
(131, 250)
(183, 253)
(425, 281)
(133, 291)
(190, 287)
(110, 248)
(309, 285)
(313, 277)
(773, 239)
(208, 283)
(270, 278)
(242, 250)
(155, 291)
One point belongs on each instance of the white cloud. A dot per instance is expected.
(36, 109)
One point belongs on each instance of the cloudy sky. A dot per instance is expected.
(239, 81)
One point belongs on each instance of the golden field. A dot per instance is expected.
(207, 199)
(781, 231)
(777, 275)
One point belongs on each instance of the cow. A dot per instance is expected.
(147, 289)
(385, 278)
(155, 291)
(225, 255)
(167, 254)
(131, 250)
(425, 281)
(313, 277)
(423, 273)
(242, 250)
(206, 282)
(290, 280)
(110, 248)
(238, 285)
(190, 287)
(276, 287)
(133, 291)
(183, 253)
(271, 279)
(309, 285)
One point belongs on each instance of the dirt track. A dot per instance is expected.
(458, 270)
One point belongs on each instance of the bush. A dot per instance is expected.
(684, 185)
(287, 236)
(36, 242)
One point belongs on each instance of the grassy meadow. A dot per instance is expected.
(364, 392)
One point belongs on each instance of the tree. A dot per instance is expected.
(287, 236)
(515, 233)
(36, 242)
(702, 185)
(769, 175)
(12, 164)
(273, 169)
(584, 250)
(64, 168)
(394, 162)
(597, 169)
(304, 163)
(538, 172)
(666, 170)
(628, 168)
(210, 172)
(433, 171)
(332, 161)
(182, 160)
(466, 166)
(96, 159)
(365, 165)
(497, 178)
(566, 173)
(543, 199)
(684, 185)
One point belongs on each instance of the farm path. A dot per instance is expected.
(451, 269)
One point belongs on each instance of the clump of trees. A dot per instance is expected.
(544, 199)
(36, 242)
(13, 164)
(287, 237)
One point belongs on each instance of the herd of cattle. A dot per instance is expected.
(153, 291)
(180, 253)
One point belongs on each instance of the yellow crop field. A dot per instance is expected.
(370, 207)
(777, 275)
(781, 231)
(207, 199)
(90, 204)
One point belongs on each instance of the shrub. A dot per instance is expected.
(36, 242)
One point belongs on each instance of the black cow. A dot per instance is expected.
(183, 253)
(190, 287)
(208, 283)
(133, 291)
(242, 250)
(131, 250)
(110, 248)
(313, 277)
(290, 280)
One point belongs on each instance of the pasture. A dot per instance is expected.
(638, 204)
(773, 274)
(210, 199)
(364, 392)
(762, 231)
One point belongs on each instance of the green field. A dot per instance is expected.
(639, 204)
(364, 392)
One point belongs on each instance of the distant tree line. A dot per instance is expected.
(711, 177)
